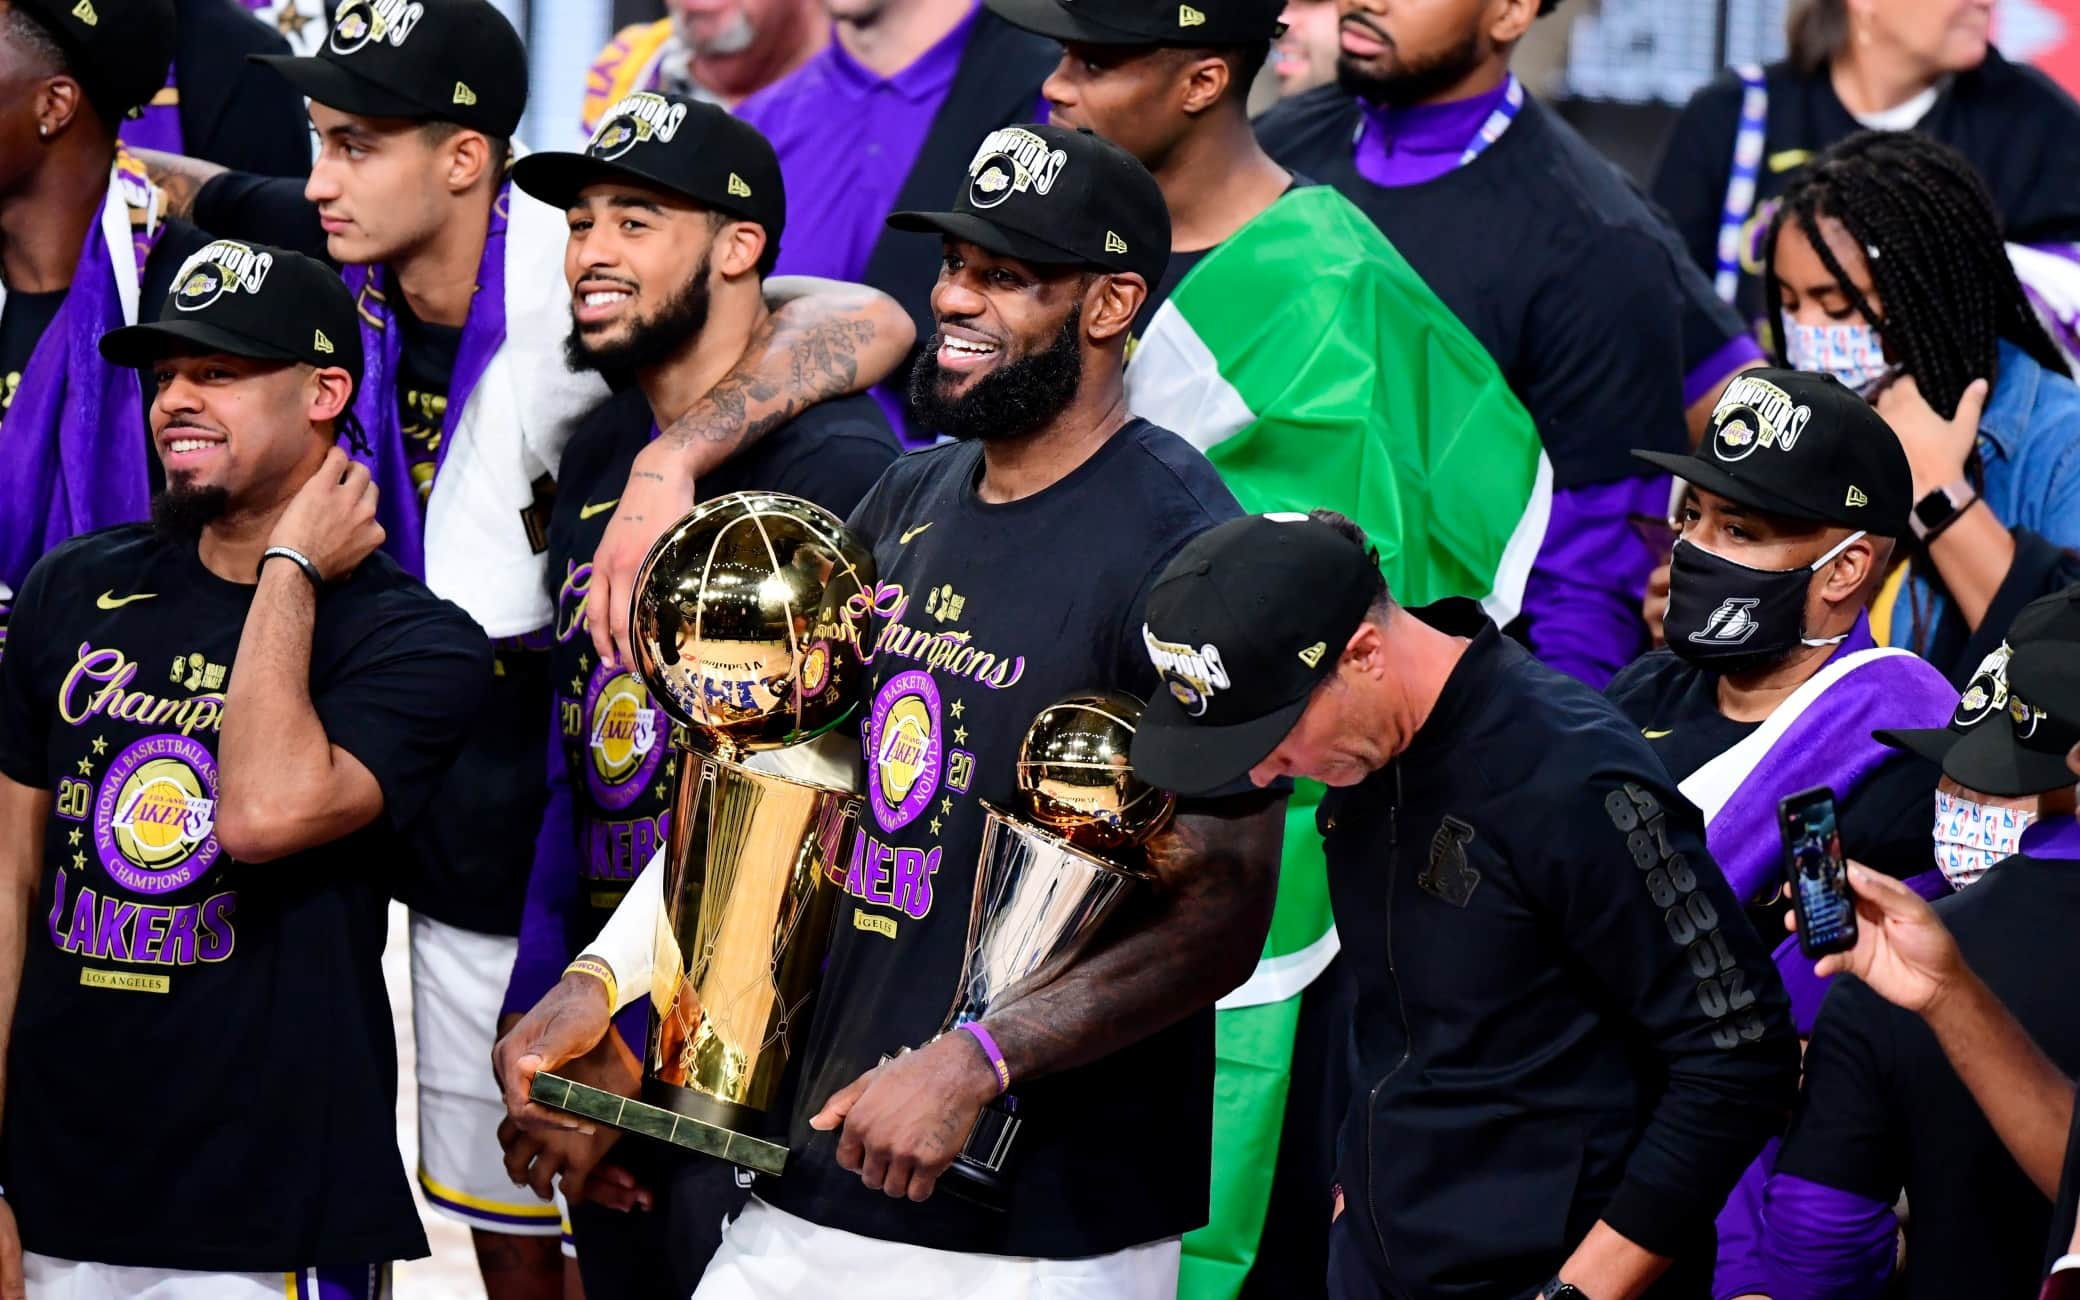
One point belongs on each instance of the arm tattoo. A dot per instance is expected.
(1191, 940)
(179, 179)
(806, 353)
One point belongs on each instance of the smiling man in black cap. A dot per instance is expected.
(675, 209)
(212, 730)
(1526, 903)
(1922, 1068)
(1012, 565)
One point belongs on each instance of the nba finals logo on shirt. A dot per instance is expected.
(155, 815)
(638, 119)
(1012, 161)
(623, 741)
(224, 267)
(1756, 413)
(361, 23)
(905, 750)
(1194, 676)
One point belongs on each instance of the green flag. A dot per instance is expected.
(1315, 368)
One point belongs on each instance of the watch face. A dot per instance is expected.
(1934, 508)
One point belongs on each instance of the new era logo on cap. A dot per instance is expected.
(738, 187)
(1312, 655)
(84, 11)
(464, 95)
(1114, 244)
(1756, 413)
(1190, 17)
(1856, 497)
(220, 268)
(319, 343)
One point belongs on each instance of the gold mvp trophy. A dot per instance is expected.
(740, 637)
(1048, 878)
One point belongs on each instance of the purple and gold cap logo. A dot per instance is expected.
(155, 815)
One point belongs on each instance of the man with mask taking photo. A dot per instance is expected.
(1770, 680)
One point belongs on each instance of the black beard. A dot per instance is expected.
(653, 341)
(180, 513)
(1017, 399)
(1409, 84)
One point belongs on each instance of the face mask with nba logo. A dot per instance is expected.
(1851, 353)
(1971, 837)
(1727, 617)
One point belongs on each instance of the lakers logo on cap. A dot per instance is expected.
(1114, 244)
(225, 266)
(319, 343)
(1194, 676)
(464, 95)
(637, 118)
(1190, 17)
(84, 11)
(1756, 413)
(737, 187)
(1987, 693)
(1013, 160)
(361, 23)
(1856, 497)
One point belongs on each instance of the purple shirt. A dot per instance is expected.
(847, 139)
(1407, 146)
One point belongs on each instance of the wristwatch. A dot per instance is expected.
(1558, 1290)
(1940, 508)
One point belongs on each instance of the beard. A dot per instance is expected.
(1017, 399)
(180, 511)
(651, 341)
(1407, 83)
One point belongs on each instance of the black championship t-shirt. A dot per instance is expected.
(985, 615)
(1883, 1111)
(2018, 128)
(201, 1073)
(1884, 821)
(1581, 293)
(23, 320)
(616, 751)
(425, 368)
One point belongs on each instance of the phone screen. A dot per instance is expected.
(1819, 877)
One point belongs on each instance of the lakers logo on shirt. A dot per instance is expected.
(623, 740)
(155, 815)
(816, 670)
(360, 23)
(225, 266)
(905, 749)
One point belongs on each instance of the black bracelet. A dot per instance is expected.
(301, 561)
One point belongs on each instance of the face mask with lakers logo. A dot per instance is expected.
(1727, 617)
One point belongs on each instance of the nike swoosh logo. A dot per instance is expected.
(905, 539)
(588, 511)
(109, 600)
(1652, 734)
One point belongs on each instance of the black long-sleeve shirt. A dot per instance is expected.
(1562, 1014)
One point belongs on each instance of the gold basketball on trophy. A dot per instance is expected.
(1077, 781)
(739, 624)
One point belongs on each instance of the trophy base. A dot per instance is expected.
(979, 1173)
(657, 1122)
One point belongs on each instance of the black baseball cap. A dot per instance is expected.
(1053, 196)
(697, 150)
(1242, 626)
(119, 50)
(1146, 22)
(1804, 447)
(249, 300)
(430, 60)
(2003, 740)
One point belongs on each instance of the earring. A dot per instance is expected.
(43, 130)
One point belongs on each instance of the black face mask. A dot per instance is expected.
(1729, 618)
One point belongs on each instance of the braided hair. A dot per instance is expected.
(1936, 257)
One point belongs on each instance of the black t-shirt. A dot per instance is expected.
(425, 368)
(23, 320)
(993, 613)
(2016, 126)
(615, 751)
(206, 1042)
(1884, 821)
(1882, 1109)
(1561, 269)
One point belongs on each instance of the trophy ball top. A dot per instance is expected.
(1075, 777)
(740, 626)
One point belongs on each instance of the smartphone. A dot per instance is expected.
(1819, 876)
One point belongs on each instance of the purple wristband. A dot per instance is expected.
(996, 1058)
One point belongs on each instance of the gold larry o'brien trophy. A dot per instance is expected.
(740, 637)
(1045, 884)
